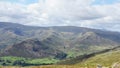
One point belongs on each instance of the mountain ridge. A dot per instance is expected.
(70, 40)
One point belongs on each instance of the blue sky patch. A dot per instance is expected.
(102, 2)
(21, 1)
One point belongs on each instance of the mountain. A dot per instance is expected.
(32, 49)
(70, 40)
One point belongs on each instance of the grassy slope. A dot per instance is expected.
(105, 59)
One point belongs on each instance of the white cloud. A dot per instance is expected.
(63, 12)
(58, 11)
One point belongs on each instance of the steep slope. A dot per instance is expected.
(32, 49)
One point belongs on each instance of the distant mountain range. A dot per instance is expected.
(57, 41)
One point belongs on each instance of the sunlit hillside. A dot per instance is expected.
(106, 59)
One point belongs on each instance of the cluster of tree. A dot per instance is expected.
(61, 56)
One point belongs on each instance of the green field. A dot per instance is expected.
(19, 61)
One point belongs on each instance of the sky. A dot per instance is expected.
(100, 14)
